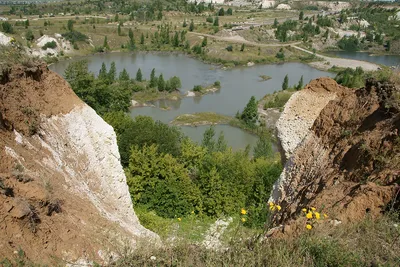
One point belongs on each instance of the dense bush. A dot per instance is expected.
(173, 176)
(105, 93)
(7, 27)
(349, 43)
(282, 29)
(75, 36)
(351, 78)
(51, 44)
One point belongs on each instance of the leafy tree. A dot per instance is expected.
(285, 84)
(250, 112)
(7, 27)
(263, 147)
(280, 54)
(124, 75)
(349, 43)
(229, 12)
(161, 83)
(204, 42)
(70, 25)
(81, 81)
(174, 83)
(184, 25)
(209, 19)
(301, 15)
(139, 76)
(216, 21)
(221, 12)
(351, 78)
(144, 131)
(160, 182)
(191, 26)
(29, 35)
(26, 23)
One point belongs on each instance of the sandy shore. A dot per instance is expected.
(329, 62)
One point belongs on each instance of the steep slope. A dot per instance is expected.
(63, 192)
(344, 158)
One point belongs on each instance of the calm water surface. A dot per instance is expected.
(388, 60)
(237, 86)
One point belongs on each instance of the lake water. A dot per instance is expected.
(237, 86)
(388, 60)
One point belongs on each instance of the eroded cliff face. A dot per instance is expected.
(344, 158)
(63, 192)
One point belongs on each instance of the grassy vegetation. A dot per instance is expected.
(265, 77)
(367, 243)
(277, 99)
(202, 118)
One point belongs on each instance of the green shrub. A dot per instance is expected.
(160, 183)
(229, 48)
(51, 44)
(75, 36)
(197, 88)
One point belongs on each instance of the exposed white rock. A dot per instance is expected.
(293, 127)
(84, 150)
(283, 7)
(4, 39)
(298, 117)
(268, 3)
(212, 239)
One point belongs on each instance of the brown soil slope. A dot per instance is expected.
(40, 210)
(348, 165)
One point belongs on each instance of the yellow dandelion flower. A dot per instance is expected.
(325, 215)
(317, 215)
(179, 219)
(192, 212)
(313, 209)
(309, 215)
(243, 219)
(304, 210)
(243, 212)
(309, 226)
(278, 207)
(272, 208)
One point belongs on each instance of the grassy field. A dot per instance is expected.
(202, 118)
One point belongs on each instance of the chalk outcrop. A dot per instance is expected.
(63, 192)
(342, 151)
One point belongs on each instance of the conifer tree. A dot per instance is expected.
(112, 73)
(250, 115)
(285, 84)
(124, 75)
(161, 83)
(139, 76)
